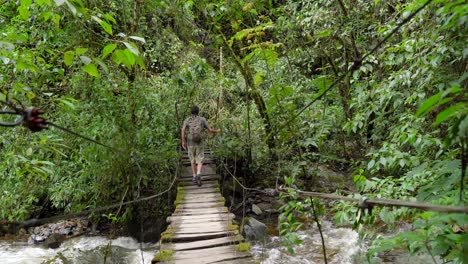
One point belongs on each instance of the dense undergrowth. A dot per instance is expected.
(126, 74)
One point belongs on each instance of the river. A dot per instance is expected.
(80, 250)
(343, 247)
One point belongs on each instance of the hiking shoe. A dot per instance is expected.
(199, 182)
(194, 179)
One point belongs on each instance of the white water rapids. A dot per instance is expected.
(342, 244)
(93, 249)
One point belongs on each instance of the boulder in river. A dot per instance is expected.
(254, 229)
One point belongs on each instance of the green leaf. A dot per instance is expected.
(138, 38)
(68, 57)
(91, 69)
(132, 47)
(371, 164)
(80, 51)
(124, 57)
(101, 64)
(56, 19)
(110, 18)
(429, 104)
(258, 78)
(42, 2)
(325, 33)
(106, 26)
(108, 49)
(450, 111)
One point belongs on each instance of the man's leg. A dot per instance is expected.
(200, 155)
(193, 163)
(194, 170)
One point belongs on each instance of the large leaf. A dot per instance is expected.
(68, 57)
(138, 38)
(91, 69)
(108, 49)
(132, 47)
(107, 27)
(451, 111)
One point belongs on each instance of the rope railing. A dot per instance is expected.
(377, 202)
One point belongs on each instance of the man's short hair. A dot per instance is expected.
(195, 110)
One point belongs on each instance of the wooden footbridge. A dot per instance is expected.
(201, 228)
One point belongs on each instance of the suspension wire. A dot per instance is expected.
(84, 137)
(354, 67)
(243, 187)
(378, 202)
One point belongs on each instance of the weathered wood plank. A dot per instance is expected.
(200, 205)
(216, 242)
(202, 196)
(204, 217)
(201, 190)
(209, 255)
(201, 211)
(201, 199)
(190, 183)
(207, 184)
(238, 261)
(199, 221)
(194, 237)
(199, 225)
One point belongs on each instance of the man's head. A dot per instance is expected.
(195, 110)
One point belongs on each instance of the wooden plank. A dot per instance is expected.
(196, 206)
(201, 211)
(200, 205)
(201, 191)
(238, 261)
(215, 242)
(211, 184)
(189, 201)
(206, 221)
(209, 255)
(202, 196)
(207, 235)
(200, 225)
(190, 183)
(205, 217)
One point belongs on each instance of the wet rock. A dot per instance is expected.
(54, 241)
(254, 229)
(256, 209)
(54, 231)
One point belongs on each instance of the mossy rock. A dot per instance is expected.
(163, 255)
(167, 235)
(243, 247)
(233, 227)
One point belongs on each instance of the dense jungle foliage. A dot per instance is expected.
(294, 85)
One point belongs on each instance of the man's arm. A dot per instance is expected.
(211, 130)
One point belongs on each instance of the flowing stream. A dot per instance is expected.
(82, 250)
(342, 245)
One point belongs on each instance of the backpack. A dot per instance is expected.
(196, 129)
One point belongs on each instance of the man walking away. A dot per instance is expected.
(195, 125)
